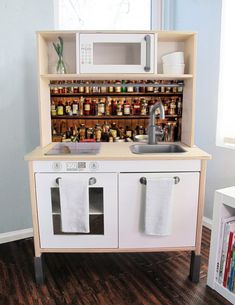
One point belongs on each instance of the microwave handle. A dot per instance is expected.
(147, 38)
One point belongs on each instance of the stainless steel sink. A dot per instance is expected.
(156, 148)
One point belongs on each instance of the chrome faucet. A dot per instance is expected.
(154, 130)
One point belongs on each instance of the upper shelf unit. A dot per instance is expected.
(104, 55)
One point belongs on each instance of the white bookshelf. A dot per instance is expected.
(224, 207)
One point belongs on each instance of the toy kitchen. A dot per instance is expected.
(117, 169)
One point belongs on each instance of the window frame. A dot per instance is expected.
(157, 20)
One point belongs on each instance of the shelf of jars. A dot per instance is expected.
(118, 87)
(85, 131)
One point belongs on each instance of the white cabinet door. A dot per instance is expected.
(132, 207)
(102, 212)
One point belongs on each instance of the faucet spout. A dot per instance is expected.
(152, 125)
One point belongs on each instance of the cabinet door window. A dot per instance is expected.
(96, 211)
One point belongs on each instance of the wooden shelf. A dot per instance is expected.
(106, 117)
(116, 76)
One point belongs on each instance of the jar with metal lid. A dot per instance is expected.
(117, 86)
(142, 87)
(149, 88)
(180, 86)
(179, 106)
(130, 87)
(103, 89)
(136, 87)
(75, 87)
(113, 130)
(162, 90)
(123, 88)
(156, 86)
(110, 87)
(87, 87)
(81, 87)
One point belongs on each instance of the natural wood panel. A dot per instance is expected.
(104, 279)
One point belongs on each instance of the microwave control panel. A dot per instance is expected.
(86, 54)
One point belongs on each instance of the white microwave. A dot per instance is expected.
(115, 53)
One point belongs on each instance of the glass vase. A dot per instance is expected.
(61, 66)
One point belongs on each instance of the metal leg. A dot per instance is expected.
(195, 265)
(38, 268)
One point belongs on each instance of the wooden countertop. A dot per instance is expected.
(119, 151)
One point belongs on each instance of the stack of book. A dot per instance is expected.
(225, 272)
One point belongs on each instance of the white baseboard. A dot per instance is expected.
(15, 235)
(207, 222)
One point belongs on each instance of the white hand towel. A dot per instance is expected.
(74, 204)
(158, 206)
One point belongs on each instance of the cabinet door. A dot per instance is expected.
(132, 207)
(102, 212)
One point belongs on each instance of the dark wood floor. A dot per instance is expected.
(104, 279)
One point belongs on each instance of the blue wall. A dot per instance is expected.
(204, 17)
(19, 111)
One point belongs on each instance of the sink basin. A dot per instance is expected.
(156, 149)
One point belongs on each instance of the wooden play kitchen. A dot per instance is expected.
(89, 118)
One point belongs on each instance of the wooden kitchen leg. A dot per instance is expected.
(38, 268)
(195, 265)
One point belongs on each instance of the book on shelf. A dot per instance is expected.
(228, 257)
(227, 226)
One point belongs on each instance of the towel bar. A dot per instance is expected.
(143, 180)
(92, 180)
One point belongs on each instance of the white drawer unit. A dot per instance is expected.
(132, 205)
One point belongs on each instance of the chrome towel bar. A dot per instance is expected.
(92, 180)
(143, 180)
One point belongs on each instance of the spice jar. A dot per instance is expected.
(114, 107)
(110, 87)
(74, 107)
(60, 108)
(180, 86)
(162, 90)
(172, 107)
(68, 108)
(87, 106)
(98, 132)
(149, 88)
(82, 132)
(75, 87)
(81, 87)
(81, 103)
(143, 107)
(113, 130)
(117, 86)
(156, 86)
(127, 108)
(119, 108)
(101, 107)
(142, 87)
(103, 88)
(53, 108)
(94, 108)
(108, 108)
(179, 106)
(123, 88)
(136, 107)
(87, 87)
(130, 87)
(89, 133)
(128, 132)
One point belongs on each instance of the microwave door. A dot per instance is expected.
(116, 53)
